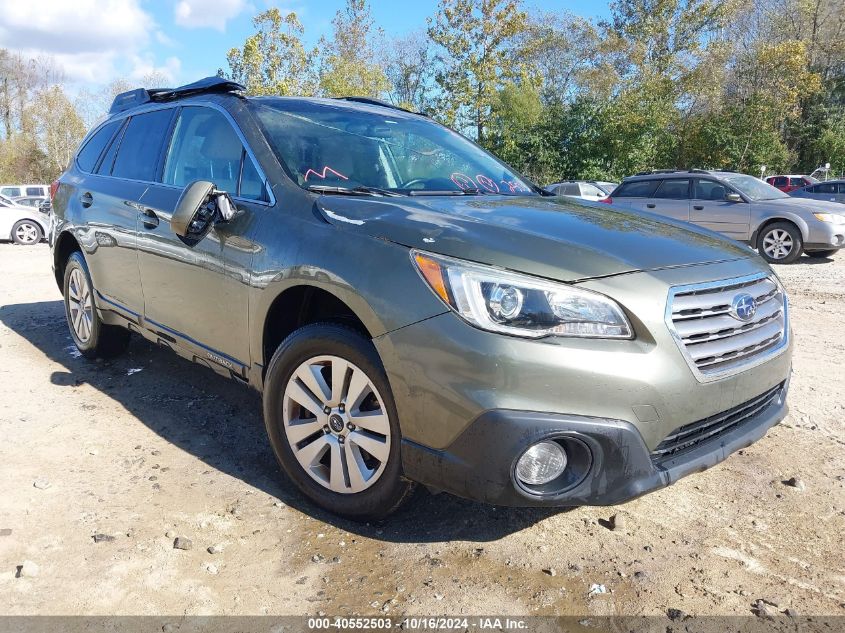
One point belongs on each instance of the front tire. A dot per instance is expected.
(823, 254)
(332, 422)
(27, 233)
(92, 337)
(780, 243)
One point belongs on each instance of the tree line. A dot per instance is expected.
(727, 84)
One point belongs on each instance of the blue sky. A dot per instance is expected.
(95, 41)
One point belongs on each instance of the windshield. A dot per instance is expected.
(754, 188)
(325, 145)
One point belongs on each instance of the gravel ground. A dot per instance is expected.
(103, 466)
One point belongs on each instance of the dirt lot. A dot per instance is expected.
(150, 447)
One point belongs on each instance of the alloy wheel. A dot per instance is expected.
(336, 424)
(80, 305)
(778, 244)
(27, 233)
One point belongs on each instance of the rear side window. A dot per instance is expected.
(205, 146)
(797, 182)
(139, 151)
(570, 189)
(673, 189)
(34, 191)
(636, 189)
(91, 151)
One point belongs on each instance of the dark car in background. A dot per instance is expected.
(411, 309)
(828, 191)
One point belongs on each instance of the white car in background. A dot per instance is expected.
(21, 224)
(25, 191)
(593, 190)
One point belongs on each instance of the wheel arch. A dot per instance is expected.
(796, 221)
(300, 305)
(65, 244)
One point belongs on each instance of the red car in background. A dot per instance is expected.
(787, 183)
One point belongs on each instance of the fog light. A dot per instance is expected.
(541, 463)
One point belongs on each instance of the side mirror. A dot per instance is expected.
(733, 197)
(199, 205)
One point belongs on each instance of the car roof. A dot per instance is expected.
(691, 173)
(131, 101)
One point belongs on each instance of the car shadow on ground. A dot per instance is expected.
(220, 422)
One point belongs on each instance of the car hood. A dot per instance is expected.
(796, 203)
(555, 238)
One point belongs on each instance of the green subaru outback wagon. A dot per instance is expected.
(410, 307)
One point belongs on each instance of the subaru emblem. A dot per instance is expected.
(744, 307)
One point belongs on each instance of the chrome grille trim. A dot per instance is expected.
(714, 343)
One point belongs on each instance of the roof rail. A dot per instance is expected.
(379, 102)
(676, 171)
(140, 96)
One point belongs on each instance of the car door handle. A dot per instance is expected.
(651, 205)
(86, 199)
(698, 207)
(149, 219)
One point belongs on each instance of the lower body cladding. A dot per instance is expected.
(605, 461)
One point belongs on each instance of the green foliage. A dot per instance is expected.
(348, 66)
(273, 61)
(477, 56)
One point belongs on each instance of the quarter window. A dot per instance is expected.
(91, 151)
(139, 151)
(825, 187)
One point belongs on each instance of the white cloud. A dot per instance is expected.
(91, 41)
(81, 26)
(194, 14)
(144, 67)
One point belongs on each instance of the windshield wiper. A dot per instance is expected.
(446, 192)
(360, 190)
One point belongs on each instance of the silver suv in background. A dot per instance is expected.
(742, 207)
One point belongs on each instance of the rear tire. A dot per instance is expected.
(780, 243)
(347, 408)
(823, 254)
(27, 232)
(92, 337)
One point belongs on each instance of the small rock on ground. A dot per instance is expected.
(550, 571)
(796, 482)
(618, 522)
(675, 614)
(182, 543)
(41, 484)
(27, 570)
(216, 549)
(102, 538)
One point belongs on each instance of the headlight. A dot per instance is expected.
(501, 301)
(833, 218)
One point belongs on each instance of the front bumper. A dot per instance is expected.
(824, 236)
(480, 463)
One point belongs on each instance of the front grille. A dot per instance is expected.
(714, 341)
(687, 437)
